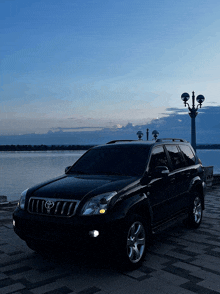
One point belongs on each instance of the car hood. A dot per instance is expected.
(78, 187)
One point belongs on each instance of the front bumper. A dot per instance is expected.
(66, 231)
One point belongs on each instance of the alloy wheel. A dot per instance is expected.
(136, 242)
(197, 210)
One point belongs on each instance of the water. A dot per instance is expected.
(210, 158)
(20, 170)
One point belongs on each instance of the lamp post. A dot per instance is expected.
(155, 133)
(140, 135)
(193, 113)
(147, 134)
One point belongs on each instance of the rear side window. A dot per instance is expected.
(188, 154)
(175, 156)
(158, 158)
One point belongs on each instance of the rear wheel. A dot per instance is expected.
(195, 212)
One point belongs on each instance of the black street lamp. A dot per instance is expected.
(140, 135)
(147, 134)
(193, 113)
(155, 133)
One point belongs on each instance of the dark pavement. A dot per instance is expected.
(179, 261)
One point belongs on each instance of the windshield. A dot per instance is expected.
(113, 160)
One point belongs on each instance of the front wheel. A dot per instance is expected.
(195, 212)
(134, 243)
(41, 248)
(34, 246)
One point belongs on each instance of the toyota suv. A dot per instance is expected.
(116, 195)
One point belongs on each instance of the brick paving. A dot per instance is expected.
(179, 261)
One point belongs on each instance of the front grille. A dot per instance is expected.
(52, 207)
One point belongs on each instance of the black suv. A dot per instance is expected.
(115, 195)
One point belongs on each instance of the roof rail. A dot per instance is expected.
(115, 141)
(170, 139)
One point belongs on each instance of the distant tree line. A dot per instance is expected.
(208, 146)
(73, 147)
(43, 147)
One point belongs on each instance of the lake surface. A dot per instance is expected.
(21, 170)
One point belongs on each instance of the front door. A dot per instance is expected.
(159, 187)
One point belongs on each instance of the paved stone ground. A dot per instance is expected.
(179, 261)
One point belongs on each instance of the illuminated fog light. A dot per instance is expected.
(94, 233)
(13, 222)
(102, 211)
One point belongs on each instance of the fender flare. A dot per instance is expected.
(198, 185)
(138, 204)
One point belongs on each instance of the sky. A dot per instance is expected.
(98, 63)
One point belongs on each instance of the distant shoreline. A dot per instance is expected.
(208, 146)
(44, 147)
(73, 147)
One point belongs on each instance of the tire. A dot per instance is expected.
(134, 241)
(33, 246)
(42, 249)
(195, 212)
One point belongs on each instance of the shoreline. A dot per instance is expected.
(43, 147)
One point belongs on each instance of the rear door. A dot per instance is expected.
(178, 179)
(191, 169)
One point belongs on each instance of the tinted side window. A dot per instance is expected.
(188, 154)
(175, 156)
(158, 158)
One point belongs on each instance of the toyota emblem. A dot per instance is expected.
(48, 205)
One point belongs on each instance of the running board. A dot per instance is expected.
(169, 223)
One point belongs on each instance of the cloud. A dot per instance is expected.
(175, 125)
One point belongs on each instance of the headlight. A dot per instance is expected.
(98, 204)
(21, 202)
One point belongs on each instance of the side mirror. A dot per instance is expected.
(160, 171)
(67, 168)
